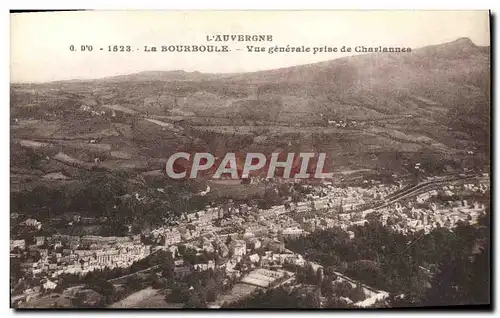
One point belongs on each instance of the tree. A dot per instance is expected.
(158, 283)
(195, 301)
(310, 274)
(168, 266)
(79, 301)
(480, 285)
(327, 286)
(357, 293)
(211, 291)
(336, 302)
(311, 300)
(461, 281)
(102, 286)
(367, 271)
(134, 283)
(342, 289)
(383, 259)
(178, 294)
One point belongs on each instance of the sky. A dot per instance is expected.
(40, 42)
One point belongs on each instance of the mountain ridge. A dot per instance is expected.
(376, 110)
(461, 46)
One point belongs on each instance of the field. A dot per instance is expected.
(233, 189)
(145, 298)
(400, 113)
(239, 291)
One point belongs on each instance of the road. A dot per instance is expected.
(421, 188)
(138, 272)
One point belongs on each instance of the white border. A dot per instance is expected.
(195, 5)
(255, 4)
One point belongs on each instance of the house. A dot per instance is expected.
(222, 248)
(172, 237)
(238, 247)
(49, 285)
(39, 240)
(43, 252)
(73, 245)
(254, 243)
(205, 267)
(181, 271)
(21, 244)
(173, 250)
(208, 247)
(254, 258)
(179, 262)
(276, 246)
(33, 223)
(316, 267)
(292, 232)
(423, 197)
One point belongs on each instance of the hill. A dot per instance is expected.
(381, 111)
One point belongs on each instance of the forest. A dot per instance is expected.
(441, 268)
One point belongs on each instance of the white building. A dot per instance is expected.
(172, 237)
(238, 247)
(49, 285)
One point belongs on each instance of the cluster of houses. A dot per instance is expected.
(66, 254)
(248, 241)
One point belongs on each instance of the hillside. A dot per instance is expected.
(429, 80)
(382, 111)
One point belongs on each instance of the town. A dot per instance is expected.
(245, 242)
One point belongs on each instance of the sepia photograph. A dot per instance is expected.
(250, 160)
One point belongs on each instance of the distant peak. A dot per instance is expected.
(464, 41)
(457, 48)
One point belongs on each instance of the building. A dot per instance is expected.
(21, 244)
(254, 243)
(181, 271)
(263, 277)
(254, 258)
(276, 246)
(292, 232)
(49, 285)
(238, 247)
(172, 237)
(205, 266)
(33, 223)
(207, 246)
(39, 240)
(222, 248)
(309, 225)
